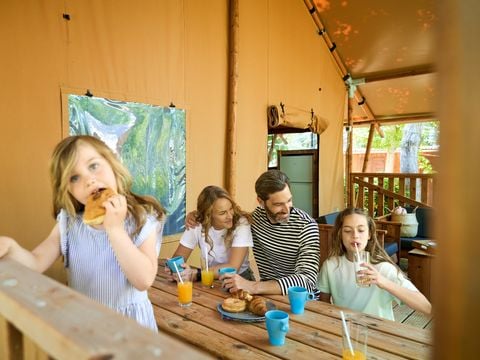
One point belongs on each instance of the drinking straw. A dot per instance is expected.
(178, 273)
(347, 334)
(206, 259)
(358, 252)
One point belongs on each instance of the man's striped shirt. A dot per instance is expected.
(287, 252)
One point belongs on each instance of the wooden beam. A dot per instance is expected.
(342, 69)
(11, 341)
(397, 73)
(68, 325)
(231, 145)
(369, 148)
(398, 119)
(349, 158)
(457, 310)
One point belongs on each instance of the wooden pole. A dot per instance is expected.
(348, 161)
(231, 145)
(369, 148)
(342, 69)
(456, 284)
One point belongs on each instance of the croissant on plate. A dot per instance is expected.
(258, 306)
(242, 295)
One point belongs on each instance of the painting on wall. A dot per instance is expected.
(149, 139)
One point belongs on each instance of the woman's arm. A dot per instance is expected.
(236, 258)
(40, 259)
(182, 251)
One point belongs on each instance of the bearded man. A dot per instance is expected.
(286, 242)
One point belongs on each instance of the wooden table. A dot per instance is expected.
(316, 334)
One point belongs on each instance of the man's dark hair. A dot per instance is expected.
(270, 182)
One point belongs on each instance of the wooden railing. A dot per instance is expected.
(380, 192)
(43, 319)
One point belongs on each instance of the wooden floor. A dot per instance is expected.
(406, 315)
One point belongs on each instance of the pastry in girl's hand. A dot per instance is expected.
(258, 306)
(242, 295)
(234, 305)
(94, 211)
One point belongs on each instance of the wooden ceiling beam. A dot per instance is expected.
(398, 119)
(342, 69)
(397, 73)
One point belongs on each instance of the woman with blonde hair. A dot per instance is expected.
(224, 236)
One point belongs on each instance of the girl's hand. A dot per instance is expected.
(170, 276)
(116, 211)
(169, 273)
(373, 275)
(5, 245)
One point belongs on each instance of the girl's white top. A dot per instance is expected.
(337, 278)
(94, 271)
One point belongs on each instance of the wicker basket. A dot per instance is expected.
(409, 224)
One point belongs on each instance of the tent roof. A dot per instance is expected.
(387, 47)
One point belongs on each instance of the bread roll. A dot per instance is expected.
(234, 305)
(94, 211)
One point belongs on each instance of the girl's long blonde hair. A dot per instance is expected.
(61, 165)
(377, 252)
(205, 202)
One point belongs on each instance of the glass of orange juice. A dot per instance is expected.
(185, 287)
(355, 347)
(207, 278)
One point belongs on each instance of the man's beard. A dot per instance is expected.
(276, 218)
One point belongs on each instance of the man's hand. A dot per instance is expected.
(234, 282)
(190, 220)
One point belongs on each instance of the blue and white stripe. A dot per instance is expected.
(287, 252)
(94, 271)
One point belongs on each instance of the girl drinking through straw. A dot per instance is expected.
(224, 236)
(354, 228)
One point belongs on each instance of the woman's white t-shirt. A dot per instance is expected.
(242, 237)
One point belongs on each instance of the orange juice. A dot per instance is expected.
(184, 293)
(207, 278)
(357, 355)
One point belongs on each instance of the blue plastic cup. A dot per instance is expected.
(298, 296)
(277, 326)
(178, 261)
(226, 270)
